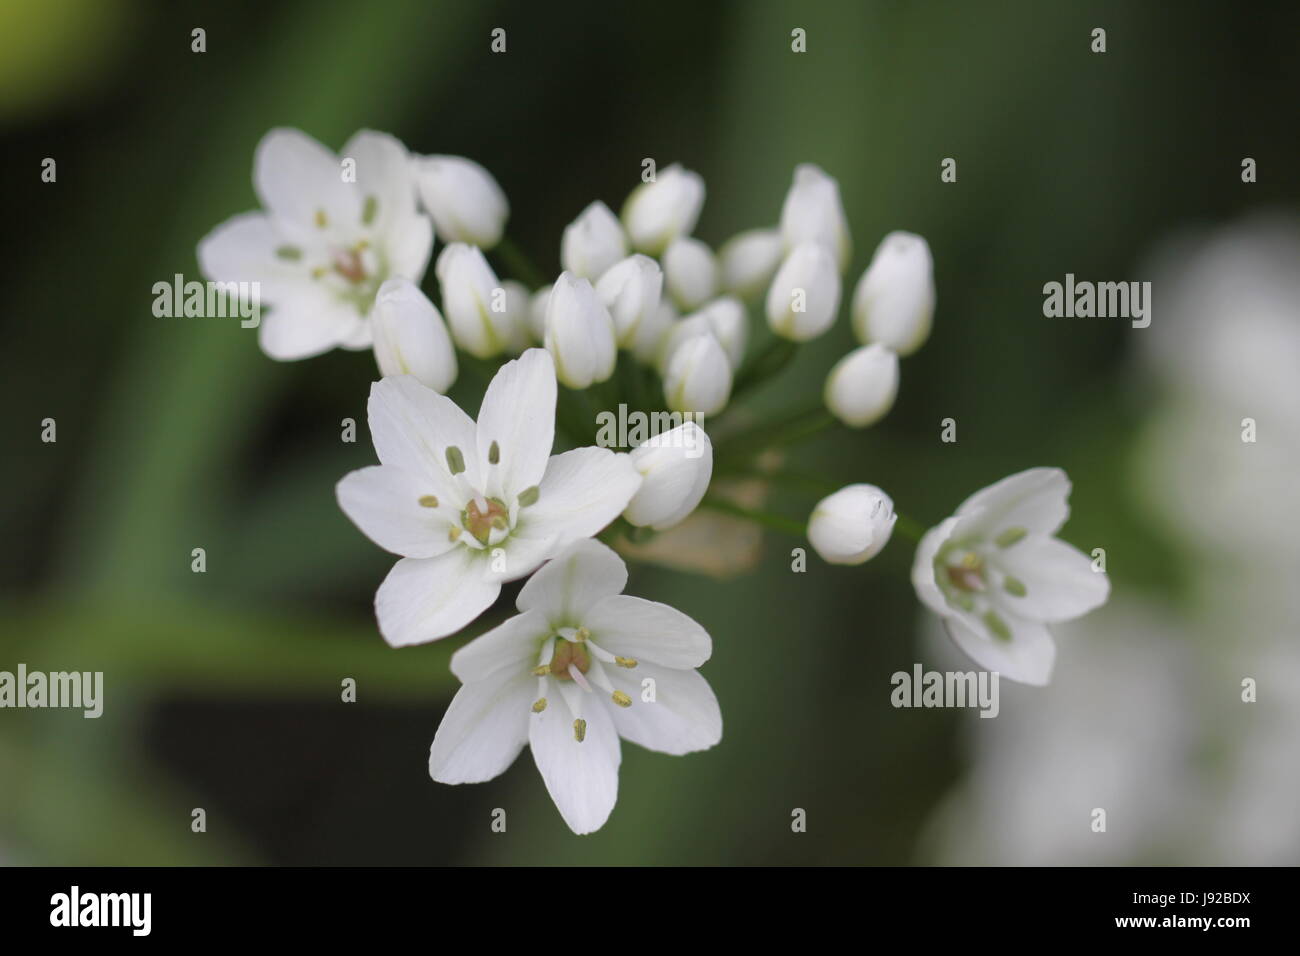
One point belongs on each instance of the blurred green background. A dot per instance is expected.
(222, 689)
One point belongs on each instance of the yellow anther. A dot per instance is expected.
(622, 699)
(454, 533)
(541, 670)
(579, 730)
(321, 220)
(581, 634)
(318, 272)
(625, 661)
(539, 705)
(429, 501)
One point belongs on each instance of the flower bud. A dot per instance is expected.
(894, 301)
(473, 301)
(690, 273)
(579, 333)
(410, 337)
(749, 260)
(518, 306)
(862, 386)
(675, 468)
(656, 213)
(698, 378)
(537, 313)
(649, 347)
(630, 290)
(813, 212)
(592, 243)
(463, 199)
(851, 525)
(725, 318)
(805, 295)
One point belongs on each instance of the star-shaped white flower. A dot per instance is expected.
(998, 575)
(580, 667)
(334, 228)
(470, 506)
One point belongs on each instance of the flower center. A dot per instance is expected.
(566, 653)
(484, 515)
(968, 573)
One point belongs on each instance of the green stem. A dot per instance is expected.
(766, 519)
(518, 263)
(774, 357)
(908, 528)
(792, 428)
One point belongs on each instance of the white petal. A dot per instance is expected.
(927, 589)
(296, 177)
(644, 630)
(305, 321)
(384, 172)
(1028, 657)
(409, 244)
(413, 426)
(519, 556)
(1060, 583)
(583, 491)
(1036, 500)
(566, 589)
(244, 249)
(384, 502)
(513, 645)
(484, 729)
(582, 778)
(518, 416)
(423, 599)
(684, 716)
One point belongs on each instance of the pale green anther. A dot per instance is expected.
(455, 460)
(289, 253)
(321, 219)
(494, 453)
(528, 496)
(368, 210)
(965, 601)
(997, 627)
(1009, 537)
(1014, 586)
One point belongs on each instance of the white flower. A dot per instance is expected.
(649, 344)
(750, 260)
(997, 574)
(690, 272)
(518, 320)
(466, 203)
(894, 301)
(725, 318)
(537, 313)
(675, 468)
(410, 336)
(698, 376)
(862, 386)
(656, 213)
(579, 667)
(852, 525)
(323, 245)
(631, 290)
(470, 506)
(579, 333)
(474, 301)
(592, 243)
(813, 212)
(805, 295)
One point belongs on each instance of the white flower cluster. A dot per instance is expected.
(340, 249)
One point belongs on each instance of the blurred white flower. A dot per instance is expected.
(411, 337)
(749, 260)
(813, 212)
(861, 388)
(698, 376)
(631, 290)
(466, 203)
(805, 295)
(537, 313)
(997, 574)
(468, 505)
(592, 243)
(474, 301)
(579, 333)
(323, 245)
(852, 525)
(690, 272)
(893, 303)
(658, 212)
(567, 676)
(675, 468)
(649, 346)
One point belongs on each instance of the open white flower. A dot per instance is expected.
(997, 574)
(411, 337)
(470, 506)
(580, 667)
(325, 241)
(466, 202)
